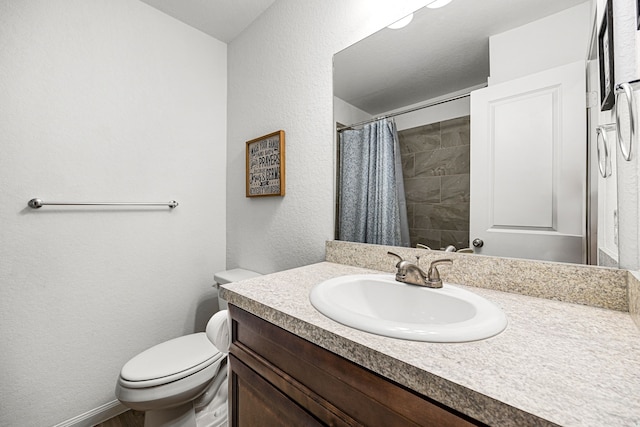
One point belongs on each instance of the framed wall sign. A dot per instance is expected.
(605, 55)
(265, 165)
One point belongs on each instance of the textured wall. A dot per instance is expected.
(102, 100)
(280, 77)
(627, 67)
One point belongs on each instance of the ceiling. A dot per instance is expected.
(440, 52)
(221, 19)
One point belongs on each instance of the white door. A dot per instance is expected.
(528, 166)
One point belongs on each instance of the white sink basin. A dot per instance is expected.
(377, 303)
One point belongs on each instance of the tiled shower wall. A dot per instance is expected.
(435, 160)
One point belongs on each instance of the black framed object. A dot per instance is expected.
(605, 55)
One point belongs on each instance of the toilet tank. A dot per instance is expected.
(229, 276)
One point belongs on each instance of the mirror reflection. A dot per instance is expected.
(482, 144)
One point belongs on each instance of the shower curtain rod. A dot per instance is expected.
(409, 110)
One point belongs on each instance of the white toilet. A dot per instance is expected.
(181, 382)
(230, 276)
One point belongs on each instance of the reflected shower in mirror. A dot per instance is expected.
(489, 105)
(372, 197)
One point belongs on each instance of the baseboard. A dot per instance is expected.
(95, 416)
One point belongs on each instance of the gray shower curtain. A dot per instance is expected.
(372, 205)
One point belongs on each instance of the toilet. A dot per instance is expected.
(230, 276)
(181, 382)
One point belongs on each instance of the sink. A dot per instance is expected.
(379, 304)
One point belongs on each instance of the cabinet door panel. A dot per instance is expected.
(333, 389)
(255, 402)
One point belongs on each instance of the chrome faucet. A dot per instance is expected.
(412, 274)
(433, 275)
(449, 248)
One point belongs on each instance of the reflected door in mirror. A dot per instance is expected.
(528, 159)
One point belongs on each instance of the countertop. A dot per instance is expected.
(555, 363)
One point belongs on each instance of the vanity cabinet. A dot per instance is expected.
(280, 379)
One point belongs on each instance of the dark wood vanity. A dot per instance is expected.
(280, 379)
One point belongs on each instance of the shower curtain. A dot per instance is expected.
(372, 205)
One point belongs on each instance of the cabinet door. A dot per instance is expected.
(277, 375)
(255, 402)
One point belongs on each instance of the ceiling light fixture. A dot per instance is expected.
(401, 23)
(438, 3)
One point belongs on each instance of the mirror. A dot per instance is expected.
(428, 69)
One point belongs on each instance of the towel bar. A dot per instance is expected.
(38, 203)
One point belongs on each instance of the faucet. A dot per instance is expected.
(449, 248)
(465, 251)
(452, 248)
(412, 274)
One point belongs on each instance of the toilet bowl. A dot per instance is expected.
(164, 380)
(181, 382)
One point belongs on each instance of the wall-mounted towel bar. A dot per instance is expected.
(38, 203)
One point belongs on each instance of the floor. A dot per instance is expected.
(126, 419)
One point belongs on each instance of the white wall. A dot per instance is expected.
(102, 100)
(558, 39)
(346, 114)
(438, 113)
(280, 77)
(627, 68)
(607, 188)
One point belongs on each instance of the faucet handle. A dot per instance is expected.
(400, 259)
(402, 266)
(433, 275)
(402, 263)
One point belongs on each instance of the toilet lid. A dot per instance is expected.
(234, 275)
(178, 357)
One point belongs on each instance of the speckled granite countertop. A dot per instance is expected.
(556, 363)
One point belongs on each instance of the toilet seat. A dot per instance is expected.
(170, 361)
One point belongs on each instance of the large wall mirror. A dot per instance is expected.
(482, 106)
